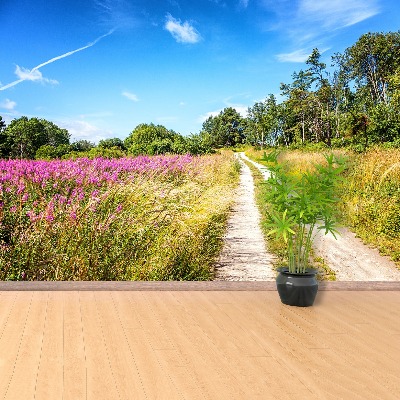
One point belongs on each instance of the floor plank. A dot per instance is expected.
(50, 375)
(198, 345)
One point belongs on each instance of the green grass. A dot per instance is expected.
(278, 247)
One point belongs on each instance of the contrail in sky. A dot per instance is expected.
(52, 60)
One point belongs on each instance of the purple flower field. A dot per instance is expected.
(37, 187)
(60, 219)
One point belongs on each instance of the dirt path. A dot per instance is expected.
(244, 256)
(348, 256)
(352, 260)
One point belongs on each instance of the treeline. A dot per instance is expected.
(35, 138)
(355, 102)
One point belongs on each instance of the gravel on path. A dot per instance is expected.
(244, 256)
(352, 260)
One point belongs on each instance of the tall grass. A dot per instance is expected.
(371, 197)
(370, 193)
(141, 218)
(299, 161)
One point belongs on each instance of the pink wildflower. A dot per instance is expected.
(32, 216)
(21, 188)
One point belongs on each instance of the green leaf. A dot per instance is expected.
(282, 226)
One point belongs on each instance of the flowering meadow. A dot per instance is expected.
(142, 218)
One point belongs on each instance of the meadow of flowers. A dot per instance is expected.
(137, 218)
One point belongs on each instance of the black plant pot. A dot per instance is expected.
(297, 289)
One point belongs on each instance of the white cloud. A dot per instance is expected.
(243, 3)
(83, 130)
(8, 117)
(182, 33)
(130, 96)
(7, 104)
(241, 109)
(205, 116)
(337, 13)
(35, 75)
(313, 23)
(116, 14)
(298, 56)
(28, 75)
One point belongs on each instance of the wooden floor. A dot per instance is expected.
(198, 344)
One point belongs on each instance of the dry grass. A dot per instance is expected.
(299, 161)
(371, 196)
(370, 192)
(378, 168)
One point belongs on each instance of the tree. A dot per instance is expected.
(46, 152)
(2, 124)
(263, 123)
(24, 136)
(55, 136)
(197, 144)
(371, 62)
(322, 100)
(226, 129)
(317, 69)
(342, 98)
(256, 129)
(82, 145)
(286, 123)
(357, 103)
(151, 139)
(111, 143)
(298, 93)
(371, 66)
(49, 152)
(2, 136)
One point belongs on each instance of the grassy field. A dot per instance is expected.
(144, 218)
(370, 193)
(371, 199)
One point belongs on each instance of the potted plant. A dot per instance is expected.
(300, 204)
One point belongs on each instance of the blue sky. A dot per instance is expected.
(100, 67)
